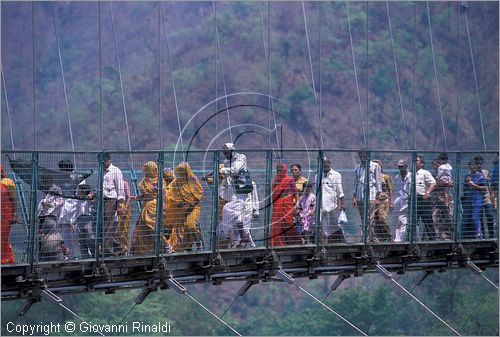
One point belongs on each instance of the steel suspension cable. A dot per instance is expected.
(160, 116)
(414, 70)
(216, 82)
(121, 82)
(397, 76)
(458, 75)
(423, 305)
(435, 75)
(312, 73)
(306, 323)
(222, 69)
(170, 66)
(356, 74)
(63, 81)
(330, 309)
(73, 313)
(367, 76)
(211, 313)
(489, 281)
(268, 70)
(34, 74)
(319, 76)
(101, 120)
(475, 79)
(7, 108)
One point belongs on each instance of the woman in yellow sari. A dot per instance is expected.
(146, 227)
(183, 209)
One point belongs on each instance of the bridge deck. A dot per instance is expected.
(254, 265)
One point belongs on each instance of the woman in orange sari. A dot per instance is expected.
(285, 198)
(8, 215)
(183, 209)
(146, 226)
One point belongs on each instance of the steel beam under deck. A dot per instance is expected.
(258, 264)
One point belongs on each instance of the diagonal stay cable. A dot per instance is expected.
(312, 73)
(268, 71)
(211, 313)
(306, 323)
(423, 305)
(397, 76)
(73, 313)
(489, 281)
(475, 79)
(172, 75)
(222, 69)
(355, 74)
(435, 75)
(121, 83)
(128, 313)
(330, 309)
(63, 81)
(8, 110)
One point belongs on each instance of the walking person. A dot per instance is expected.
(425, 184)
(114, 196)
(239, 193)
(332, 203)
(403, 185)
(374, 188)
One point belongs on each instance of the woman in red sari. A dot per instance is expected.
(8, 215)
(285, 198)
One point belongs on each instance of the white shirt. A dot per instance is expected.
(423, 180)
(374, 181)
(53, 203)
(331, 190)
(233, 166)
(113, 183)
(444, 169)
(402, 190)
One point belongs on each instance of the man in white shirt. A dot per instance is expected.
(374, 188)
(403, 185)
(332, 202)
(425, 184)
(237, 213)
(114, 195)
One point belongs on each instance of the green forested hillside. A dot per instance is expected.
(201, 72)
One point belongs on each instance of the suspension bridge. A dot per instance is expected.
(31, 280)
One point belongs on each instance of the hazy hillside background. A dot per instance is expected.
(465, 301)
(140, 40)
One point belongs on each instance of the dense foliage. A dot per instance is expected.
(201, 72)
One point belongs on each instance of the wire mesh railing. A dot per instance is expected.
(60, 206)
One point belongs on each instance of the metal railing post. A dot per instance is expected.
(269, 198)
(366, 199)
(412, 223)
(319, 198)
(215, 204)
(456, 197)
(159, 204)
(33, 233)
(100, 208)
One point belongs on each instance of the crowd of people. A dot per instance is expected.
(67, 225)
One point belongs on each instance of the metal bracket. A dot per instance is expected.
(27, 306)
(284, 276)
(174, 284)
(475, 269)
(50, 296)
(242, 291)
(338, 281)
(383, 272)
